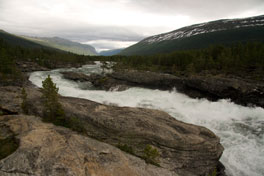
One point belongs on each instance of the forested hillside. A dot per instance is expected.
(221, 32)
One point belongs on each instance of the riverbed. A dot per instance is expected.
(240, 128)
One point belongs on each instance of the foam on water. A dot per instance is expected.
(241, 129)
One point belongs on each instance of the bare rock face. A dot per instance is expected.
(46, 149)
(244, 92)
(25, 66)
(184, 149)
(241, 91)
(75, 76)
(10, 100)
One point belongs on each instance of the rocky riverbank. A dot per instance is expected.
(240, 91)
(29, 66)
(45, 149)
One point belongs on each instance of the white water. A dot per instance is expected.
(241, 129)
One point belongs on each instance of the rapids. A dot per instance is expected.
(241, 129)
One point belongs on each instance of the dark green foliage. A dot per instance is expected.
(8, 68)
(7, 65)
(74, 123)
(227, 37)
(214, 173)
(151, 155)
(190, 69)
(126, 148)
(239, 59)
(44, 56)
(53, 111)
(52, 108)
(24, 104)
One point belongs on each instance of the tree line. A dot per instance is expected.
(238, 59)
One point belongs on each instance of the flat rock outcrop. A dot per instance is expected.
(184, 149)
(46, 149)
(30, 66)
(25, 66)
(75, 76)
(240, 91)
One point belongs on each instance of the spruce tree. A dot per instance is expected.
(52, 108)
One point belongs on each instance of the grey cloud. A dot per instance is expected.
(200, 9)
(101, 45)
(102, 32)
(35, 17)
(81, 33)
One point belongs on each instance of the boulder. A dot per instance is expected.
(75, 76)
(46, 149)
(109, 83)
(184, 148)
(240, 91)
(28, 66)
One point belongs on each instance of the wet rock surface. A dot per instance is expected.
(240, 91)
(74, 76)
(184, 149)
(29, 66)
(25, 66)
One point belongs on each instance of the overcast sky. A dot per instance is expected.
(109, 24)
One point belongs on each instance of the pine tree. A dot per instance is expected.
(151, 154)
(52, 108)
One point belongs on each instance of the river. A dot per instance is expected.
(241, 129)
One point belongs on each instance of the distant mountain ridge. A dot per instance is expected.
(201, 35)
(64, 44)
(20, 41)
(111, 52)
(54, 43)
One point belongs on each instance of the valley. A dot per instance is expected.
(183, 103)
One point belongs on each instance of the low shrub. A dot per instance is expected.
(126, 148)
(151, 155)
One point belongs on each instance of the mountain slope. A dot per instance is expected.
(19, 41)
(201, 35)
(111, 52)
(64, 44)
